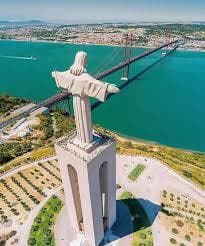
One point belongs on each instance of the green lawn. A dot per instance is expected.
(42, 233)
(136, 172)
(141, 226)
(143, 237)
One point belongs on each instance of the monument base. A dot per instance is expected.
(89, 178)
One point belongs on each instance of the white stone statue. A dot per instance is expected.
(82, 86)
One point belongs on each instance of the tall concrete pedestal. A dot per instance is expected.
(89, 179)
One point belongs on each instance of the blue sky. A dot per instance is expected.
(84, 11)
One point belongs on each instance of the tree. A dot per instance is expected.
(127, 144)
(187, 174)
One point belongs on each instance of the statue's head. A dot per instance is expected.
(78, 66)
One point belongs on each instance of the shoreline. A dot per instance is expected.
(96, 44)
(127, 137)
(140, 141)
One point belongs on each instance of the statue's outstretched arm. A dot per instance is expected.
(98, 89)
(111, 88)
(55, 76)
(61, 78)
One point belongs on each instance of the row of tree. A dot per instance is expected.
(9, 151)
(8, 103)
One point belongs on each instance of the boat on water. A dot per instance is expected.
(33, 58)
(28, 58)
(21, 57)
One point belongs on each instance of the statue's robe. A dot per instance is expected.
(82, 85)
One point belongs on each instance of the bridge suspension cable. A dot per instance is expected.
(107, 61)
(127, 55)
(63, 95)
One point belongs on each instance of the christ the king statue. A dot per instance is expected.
(82, 85)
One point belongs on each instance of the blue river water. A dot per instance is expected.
(163, 102)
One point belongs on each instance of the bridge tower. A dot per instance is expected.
(127, 55)
(167, 40)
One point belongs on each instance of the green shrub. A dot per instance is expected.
(179, 223)
(35, 228)
(187, 174)
(12, 233)
(32, 241)
(188, 238)
(173, 241)
(175, 231)
(143, 236)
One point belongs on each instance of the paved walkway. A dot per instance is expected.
(63, 232)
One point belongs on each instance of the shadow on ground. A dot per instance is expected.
(132, 215)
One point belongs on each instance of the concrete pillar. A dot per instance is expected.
(86, 175)
(111, 191)
(91, 204)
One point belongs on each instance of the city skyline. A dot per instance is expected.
(92, 11)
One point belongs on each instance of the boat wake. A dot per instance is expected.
(20, 57)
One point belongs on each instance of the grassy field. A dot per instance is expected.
(136, 172)
(141, 226)
(42, 230)
(143, 237)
